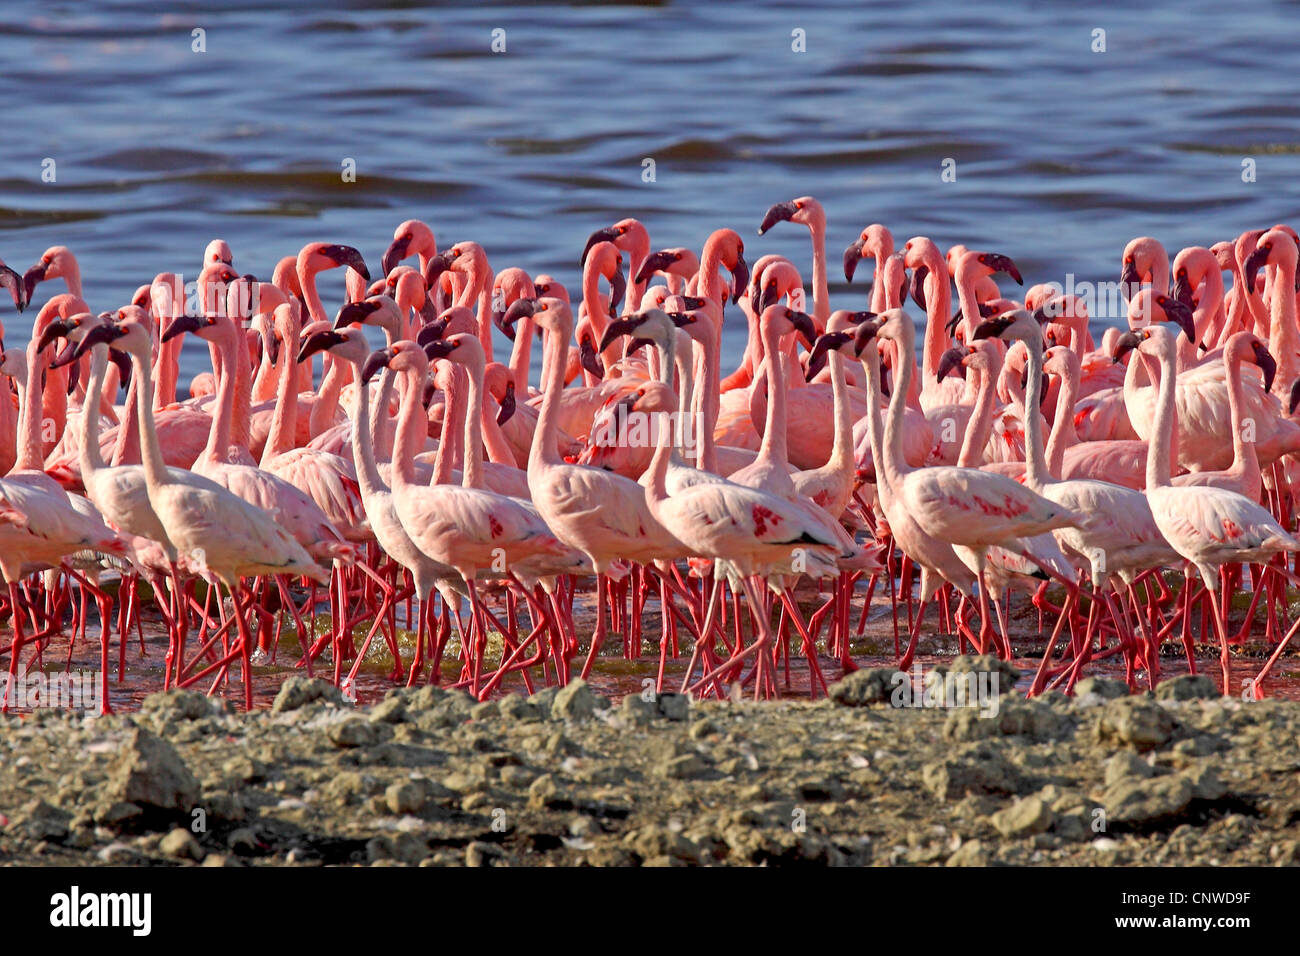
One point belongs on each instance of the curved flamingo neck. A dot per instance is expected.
(710, 404)
(411, 429)
(327, 399)
(543, 451)
(31, 455)
(1283, 334)
(219, 434)
(871, 367)
(1063, 435)
(775, 441)
(939, 305)
(841, 456)
(895, 464)
(155, 471)
(821, 287)
(521, 355)
(472, 468)
(1036, 474)
(91, 459)
(478, 291)
(1245, 461)
(363, 451)
(284, 421)
(1159, 452)
(980, 425)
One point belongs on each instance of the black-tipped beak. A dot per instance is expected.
(781, 212)
(431, 333)
(355, 313)
(438, 348)
(991, 328)
(1175, 311)
(1000, 263)
(519, 309)
(376, 362)
(655, 262)
(739, 278)
(865, 333)
(767, 296)
(181, 325)
(507, 408)
(804, 325)
(1267, 364)
(950, 360)
(1182, 291)
(11, 280)
(32, 278)
(616, 330)
(318, 342)
(435, 267)
(53, 332)
(918, 285)
(951, 326)
(691, 302)
(617, 287)
(1129, 280)
(499, 320)
(851, 257)
(394, 254)
(821, 350)
(74, 376)
(68, 354)
(1295, 397)
(600, 235)
(104, 333)
(1250, 269)
(348, 256)
(123, 363)
(1126, 343)
(682, 319)
(590, 358)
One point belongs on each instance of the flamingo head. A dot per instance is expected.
(1275, 247)
(804, 210)
(55, 262)
(218, 250)
(409, 238)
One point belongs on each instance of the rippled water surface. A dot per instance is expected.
(1062, 153)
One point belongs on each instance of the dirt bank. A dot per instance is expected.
(568, 777)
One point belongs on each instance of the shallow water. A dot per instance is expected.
(1062, 153)
(614, 675)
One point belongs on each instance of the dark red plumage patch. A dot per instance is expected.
(762, 517)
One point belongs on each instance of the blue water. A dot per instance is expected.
(1062, 154)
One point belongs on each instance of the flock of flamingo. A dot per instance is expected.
(1018, 455)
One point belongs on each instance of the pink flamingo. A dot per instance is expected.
(1207, 526)
(221, 533)
(601, 514)
(464, 526)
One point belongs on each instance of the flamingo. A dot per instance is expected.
(973, 509)
(219, 532)
(1207, 526)
(601, 514)
(465, 526)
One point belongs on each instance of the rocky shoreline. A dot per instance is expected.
(567, 777)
